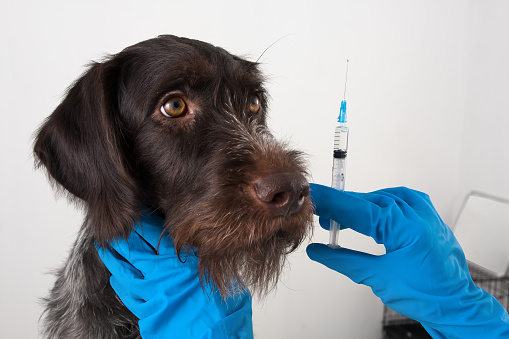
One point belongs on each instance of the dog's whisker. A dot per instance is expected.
(266, 49)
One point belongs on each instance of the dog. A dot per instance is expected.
(177, 126)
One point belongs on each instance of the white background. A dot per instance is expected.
(427, 105)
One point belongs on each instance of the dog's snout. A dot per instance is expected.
(282, 193)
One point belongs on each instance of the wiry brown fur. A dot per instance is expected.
(108, 145)
(230, 248)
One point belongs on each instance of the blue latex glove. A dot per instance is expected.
(423, 275)
(165, 293)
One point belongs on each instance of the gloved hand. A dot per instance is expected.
(165, 293)
(424, 273)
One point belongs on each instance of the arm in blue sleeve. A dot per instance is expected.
(165, 293)
(424, 273)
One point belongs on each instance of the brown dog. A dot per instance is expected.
(176, 125)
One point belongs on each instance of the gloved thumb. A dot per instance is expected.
(358, 266)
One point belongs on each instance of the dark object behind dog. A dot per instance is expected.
(178, 126)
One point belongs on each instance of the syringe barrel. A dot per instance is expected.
(338, 173)
(341, 138)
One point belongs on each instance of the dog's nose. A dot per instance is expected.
(282, 193)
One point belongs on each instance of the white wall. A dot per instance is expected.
(422, 76)
(485, 140)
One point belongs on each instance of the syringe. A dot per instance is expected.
(339, 162)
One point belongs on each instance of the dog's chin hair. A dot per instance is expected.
(235, 254)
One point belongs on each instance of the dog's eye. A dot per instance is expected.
(254, 103)
(173, 107)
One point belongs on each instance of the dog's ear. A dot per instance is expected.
(81, 146)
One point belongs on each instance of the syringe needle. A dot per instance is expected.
(346, 79)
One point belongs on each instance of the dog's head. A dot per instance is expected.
(179, 126)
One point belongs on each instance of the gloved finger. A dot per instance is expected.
(414, 204)
(419, 202)
(126, 290)
(118, 265)
(410, 202)
(325, 223)
(140, 307)
(358, 266)
(140, 253)
(369, 214)
(151, 230)
(410, 196)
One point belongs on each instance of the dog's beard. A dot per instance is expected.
(244, 248)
